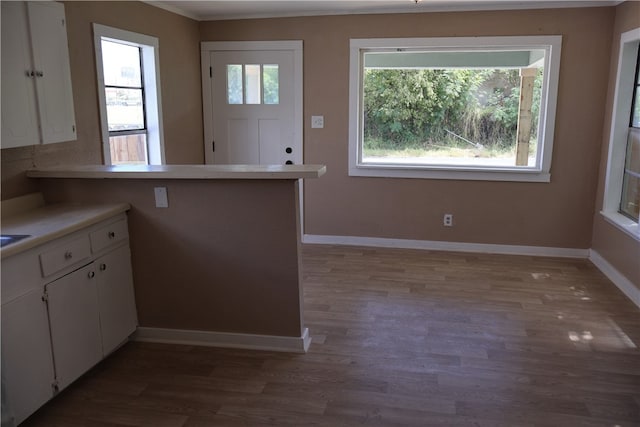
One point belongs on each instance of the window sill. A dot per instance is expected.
(623, 223)
(470, 174)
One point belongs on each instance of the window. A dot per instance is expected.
(453, 108)
(630, 200)
(253, 84)
(129, 94)
(622, 184)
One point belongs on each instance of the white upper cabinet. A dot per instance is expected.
(19, 109)
(37, 97)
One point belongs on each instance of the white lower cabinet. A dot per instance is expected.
(59, 324)
(115, 298)
(75, 324)
(27, 363)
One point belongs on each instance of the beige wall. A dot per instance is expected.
(222, 257)
(619, 249)
(179, 76)
(558, 214)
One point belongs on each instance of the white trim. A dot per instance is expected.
(625, 285)
(150, 47)
(225, 339)
(173, 9)
(207, 105)
(538, 173)
(459, 173)
(252, 45)
(618, 134)
(446, 246)
(371, 8)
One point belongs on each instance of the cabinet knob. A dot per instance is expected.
(68, 255)
(92, 274)
(39, 74)
(103, 267)
(112, 235)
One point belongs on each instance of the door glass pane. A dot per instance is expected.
(234, 84)
(121, 64)
(128, 149)
(252, 84)
(124, 109)
(271, 84)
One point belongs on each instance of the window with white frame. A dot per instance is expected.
(129, 93)
(622, 184)
(453, 108)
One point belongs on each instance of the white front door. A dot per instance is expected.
(254, 102)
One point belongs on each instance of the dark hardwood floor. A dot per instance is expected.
(400, 337)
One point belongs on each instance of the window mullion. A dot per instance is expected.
(244, 85)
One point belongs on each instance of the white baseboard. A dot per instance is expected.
(625, 285)
(446, 246)
(225, 339)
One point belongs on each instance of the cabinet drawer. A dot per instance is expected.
(65, 255)
(109, 235)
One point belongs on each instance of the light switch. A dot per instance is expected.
(317, 122)
(162, 201)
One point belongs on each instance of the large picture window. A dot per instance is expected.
(463, 108)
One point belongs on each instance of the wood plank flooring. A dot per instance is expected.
(400, 338)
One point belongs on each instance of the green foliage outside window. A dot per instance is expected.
(422, 108)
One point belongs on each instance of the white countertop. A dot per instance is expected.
(181, 172)
(49, 222)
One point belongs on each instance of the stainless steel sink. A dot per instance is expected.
(7, 239)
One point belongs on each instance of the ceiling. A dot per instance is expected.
(239, 9)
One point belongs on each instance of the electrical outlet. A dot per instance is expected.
(162, 201)
(317, 122)
(447, 220)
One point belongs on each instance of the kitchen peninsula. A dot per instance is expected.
(220, 265)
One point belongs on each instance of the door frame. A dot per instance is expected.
(206, 48)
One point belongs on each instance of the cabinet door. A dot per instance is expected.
(27, 365)
(75, 324)
(118, 317)
(53, 75)
(19, 114)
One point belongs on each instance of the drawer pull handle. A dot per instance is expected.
(103, 267)
(92, 274)
(112, 235)
(68, 255)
